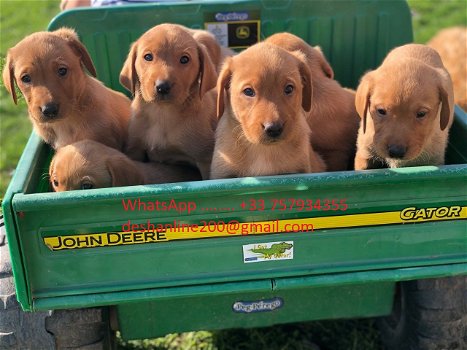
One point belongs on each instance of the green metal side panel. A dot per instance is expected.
(354, 35)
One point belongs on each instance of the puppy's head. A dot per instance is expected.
(407, 102)
(166, 64)
(269, 89)
(48, 68)
(88, 164)
(314, 56)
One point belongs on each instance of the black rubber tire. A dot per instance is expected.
(429, 314)
(83, 329)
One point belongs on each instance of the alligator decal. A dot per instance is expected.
(276, 250)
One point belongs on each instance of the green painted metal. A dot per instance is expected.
(201, 278)
(304, 304)
(327, 280)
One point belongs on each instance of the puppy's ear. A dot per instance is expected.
(305, 74)
(210, 43)
(128, 76)
(51, 166)
(362, 97)
(307, 87)
(207, 71)
(445, 108)
(72, 38)
(51, 170)
(124, 171)
(9, 76)
(324, 64)
(222, 85)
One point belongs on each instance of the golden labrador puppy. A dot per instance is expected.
(333, 119)
(407, 108)
(88, 164)
(65, 104)
(172, 76)
(263, 128)
(451, 44)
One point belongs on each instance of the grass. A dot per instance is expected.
(330, 335)
(429, 17)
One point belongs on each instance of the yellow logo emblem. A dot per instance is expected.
(243, 32)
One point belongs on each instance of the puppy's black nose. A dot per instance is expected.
(273, 129)
(163, 87)
(50, 110)
(397, 151)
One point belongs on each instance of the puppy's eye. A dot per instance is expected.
(288, 89)
(249, 92)
(381, 111)
(55, 182)
(184, 59)
(62, 71)
(86, 186)
(148, 57)
(421, 114)
(26, 79)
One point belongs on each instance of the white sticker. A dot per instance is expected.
(268, 251)
(220, 31)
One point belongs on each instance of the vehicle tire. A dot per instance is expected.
(429, 314)
(83, 329)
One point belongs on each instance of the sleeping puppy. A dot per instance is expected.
(89, 164)
(451, 44)
(406, 106)
(172, 77)
(333, 119)
(263, 129)
(65, 104)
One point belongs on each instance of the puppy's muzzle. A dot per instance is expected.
(273, 130)
(163, 88)
(49, 111)
(397, 151)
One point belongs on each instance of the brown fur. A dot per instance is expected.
(91, 163)
(178, 127)
(411, 80)
(243, 147)
(333, 119)
(86, 108)
(451, 44)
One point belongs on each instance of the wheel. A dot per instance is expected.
(83, 329)
(427, 314)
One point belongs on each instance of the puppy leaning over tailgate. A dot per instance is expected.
(174, 116)
(65, 104)
(333, 119)
(88, 164)
(406, 106)
(263, 130)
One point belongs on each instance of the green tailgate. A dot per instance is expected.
(368, 229)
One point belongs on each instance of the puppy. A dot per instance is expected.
(172, 75)
(89, 164)
(65, 104)
(451, 44)
(263, 129)
(333, 119)
(407, 107)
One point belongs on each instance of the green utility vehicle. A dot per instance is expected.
(245, 252)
